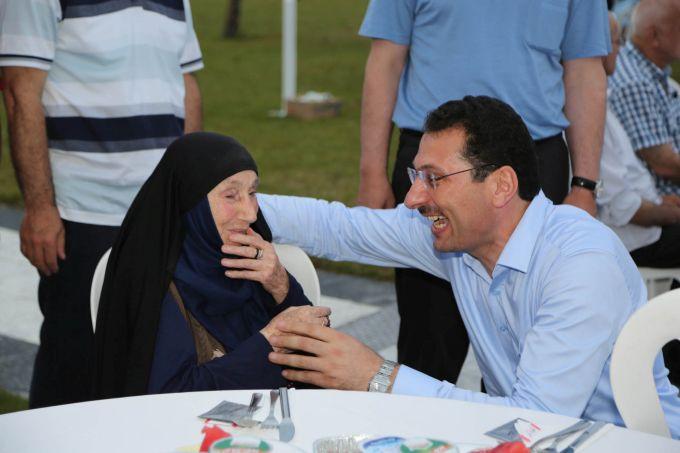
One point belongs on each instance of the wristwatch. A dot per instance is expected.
(594, 186)
(381, 380)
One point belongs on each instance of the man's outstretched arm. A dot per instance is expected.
(398, 237)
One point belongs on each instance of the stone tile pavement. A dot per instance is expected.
(361, 307)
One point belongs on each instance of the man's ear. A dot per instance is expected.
(504, 185)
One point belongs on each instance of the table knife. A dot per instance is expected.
(585, 435)
(286, 427)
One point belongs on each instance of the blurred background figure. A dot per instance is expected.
(542, 59)
(94, 92)
(647, 223)
(623, 10)
(642, 94)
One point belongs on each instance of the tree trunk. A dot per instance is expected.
(232, 20)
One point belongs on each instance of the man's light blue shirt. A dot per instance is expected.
(542, 326)
(510, 50)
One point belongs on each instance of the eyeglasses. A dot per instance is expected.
(431, 180)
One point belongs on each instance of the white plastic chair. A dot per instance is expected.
(293, 258)
(640, 341)
(96, 288)
(296, 261)
(658, 280)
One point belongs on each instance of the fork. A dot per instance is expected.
(578, 426)
(552, 448)
(271, 422)
(247, 421)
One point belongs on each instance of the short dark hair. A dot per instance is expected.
(495, 136)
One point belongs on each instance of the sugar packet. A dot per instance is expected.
(227, 411)
(518, 429)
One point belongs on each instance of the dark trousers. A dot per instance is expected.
(432, 336)
(553, 167)
(63, 366)
(664, 253)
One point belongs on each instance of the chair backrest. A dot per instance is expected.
(96, 288)
(296, 261)
(293, 258)
(640, 341)
(658, 280)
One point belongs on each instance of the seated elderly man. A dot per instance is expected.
(543, 290)
(647, 223)
(642, 94)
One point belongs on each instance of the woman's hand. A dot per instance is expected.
(259, 263)
(313, 315)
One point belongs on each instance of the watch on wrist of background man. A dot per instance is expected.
(594, 186)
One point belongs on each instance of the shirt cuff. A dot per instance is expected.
(411, 382)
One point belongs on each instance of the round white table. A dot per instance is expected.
(166, 423)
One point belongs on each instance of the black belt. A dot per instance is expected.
(543, 141)
(411, 133)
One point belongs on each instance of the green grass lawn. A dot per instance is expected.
(241, 84)
(11, 403)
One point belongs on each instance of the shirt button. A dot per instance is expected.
(503, 329)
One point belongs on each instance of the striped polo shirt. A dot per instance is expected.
(647, 103)
(114, 95)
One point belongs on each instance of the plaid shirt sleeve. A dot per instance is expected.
(639, 110)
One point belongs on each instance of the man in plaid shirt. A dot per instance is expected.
(644, 98)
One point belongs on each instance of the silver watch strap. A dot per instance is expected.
(381, 380)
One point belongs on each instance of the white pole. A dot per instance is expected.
(289, 53)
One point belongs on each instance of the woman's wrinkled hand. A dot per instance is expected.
(259, 263)
(319, 316)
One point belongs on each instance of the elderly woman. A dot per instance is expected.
(170, 318)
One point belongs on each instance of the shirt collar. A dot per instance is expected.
(520, 247)
(652, 70)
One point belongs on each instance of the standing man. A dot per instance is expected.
(94, 91)
(542, 58)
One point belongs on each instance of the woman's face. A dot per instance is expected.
(233, 204)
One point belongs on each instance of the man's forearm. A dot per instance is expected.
(663, 161)
(193, 113)
(381, 82)
(28, 135)
(650, 214)
(585, 107)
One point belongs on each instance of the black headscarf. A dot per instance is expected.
(145, 254)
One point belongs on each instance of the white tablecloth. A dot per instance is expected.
(164, 423)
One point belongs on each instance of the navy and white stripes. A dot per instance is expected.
(114, 96)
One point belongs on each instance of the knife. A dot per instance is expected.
(585, 435)
(286, 427)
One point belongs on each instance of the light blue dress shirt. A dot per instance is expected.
(510, 50)
(542, 326)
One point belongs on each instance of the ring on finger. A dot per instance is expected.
(259, 254)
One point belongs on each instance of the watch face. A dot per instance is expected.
(599, 189)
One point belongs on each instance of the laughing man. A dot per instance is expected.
(543, 290)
